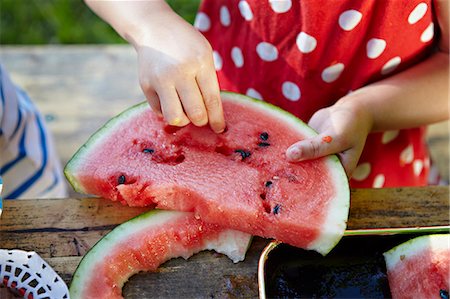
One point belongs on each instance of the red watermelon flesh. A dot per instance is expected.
(145, 242)
(238, 179)
(420, 268)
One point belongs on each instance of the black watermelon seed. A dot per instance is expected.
(268, 183)
(263, 144)
(263, 196)
(244, 154)
(276, 209)
(148, 150)
(264, 136)
(121, 179)
(443, 294)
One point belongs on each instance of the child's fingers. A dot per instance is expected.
(312, 148)
(323, 145)
(192, 101)
(171, 106)
(153, 100)
(349, 160)
(209, 87)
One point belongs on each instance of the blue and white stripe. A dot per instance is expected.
(29, 165)
(1, 200)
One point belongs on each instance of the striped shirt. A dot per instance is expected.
(29, 165)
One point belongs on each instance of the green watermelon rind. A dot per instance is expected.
(94, 255)
(435, 242)
(332, 229)
(95, 138)
(138, 224)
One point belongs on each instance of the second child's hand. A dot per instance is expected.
(342, 130)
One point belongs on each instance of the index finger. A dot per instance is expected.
(209, 87)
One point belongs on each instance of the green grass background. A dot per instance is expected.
(64, 22)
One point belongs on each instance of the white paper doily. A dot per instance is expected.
(30, 275)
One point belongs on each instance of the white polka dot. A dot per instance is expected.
(280, 6)
(246, 11)
(388, 136)
(418, 166)
(333, 72)
(361, 172)
(428, 34)
(225, 18)
(254, 94)
(407, 155)
(267, 51)
(291, 91)
(375, 47)
(217, 61)
(306, 43)
(379, 180)
(349, 19)
(202, 22)
(417, 13)
(391, 65)
(237, 57)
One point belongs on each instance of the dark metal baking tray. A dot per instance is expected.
(355, 268)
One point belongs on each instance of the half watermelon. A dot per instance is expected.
(420, 268)
(239, 179)
(145, 242)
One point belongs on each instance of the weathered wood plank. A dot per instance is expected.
(399, 207)
(369, 208)
(52, 243)
(75, 213)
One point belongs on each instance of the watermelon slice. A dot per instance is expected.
(420, 268)
(145, 242)
(239, 179)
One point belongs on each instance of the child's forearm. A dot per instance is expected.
(415, 97)
(131, 19)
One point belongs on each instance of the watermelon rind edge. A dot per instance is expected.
(96, 137)
(89, 259)
(435, 242)
(136, 224)
(332, 229)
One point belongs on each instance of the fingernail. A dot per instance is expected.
(294, 153)
(222, 130)
(175, 121)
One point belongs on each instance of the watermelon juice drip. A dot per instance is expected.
(223, 178)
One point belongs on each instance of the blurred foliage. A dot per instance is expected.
(64, 22)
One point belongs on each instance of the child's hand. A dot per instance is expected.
(176, 68)
(177, 74)
(342, 128)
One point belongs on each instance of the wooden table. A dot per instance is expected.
(62, 230)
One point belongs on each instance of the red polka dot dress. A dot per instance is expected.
(303, 55)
